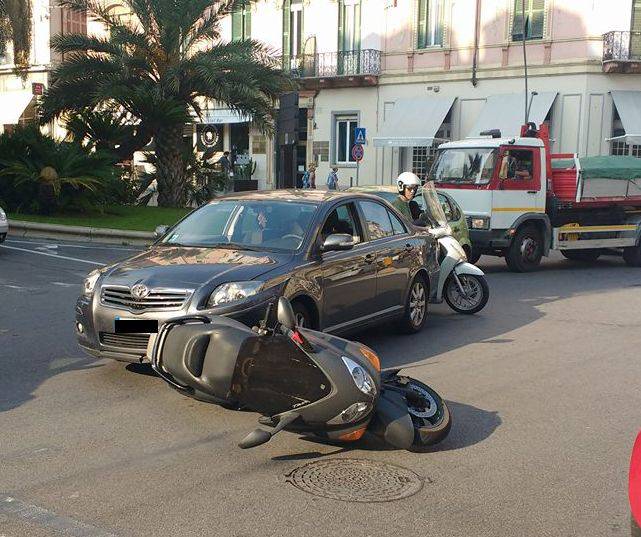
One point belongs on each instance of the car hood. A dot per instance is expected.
(189, 268)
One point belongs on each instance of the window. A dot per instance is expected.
(378, 220)
(430, 23)
(74, 22)
(345, 137)
(534, 19)
(292, 28)
(397, 226)
(241, 24)
(349, 25)
(342, 220)
(447, 208)
(517, 164)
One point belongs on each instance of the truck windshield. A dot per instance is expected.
(464, 165)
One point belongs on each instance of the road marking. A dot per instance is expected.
(63, 284)
(62, 245)
(47, 519)
(53, 255)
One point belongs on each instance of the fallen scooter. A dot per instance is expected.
(300, 380)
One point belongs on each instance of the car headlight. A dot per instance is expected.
(90, 282)
(364, 382)
(3, 215)
(480, 222)
(232, 292)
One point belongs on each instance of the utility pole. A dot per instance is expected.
(524, 58)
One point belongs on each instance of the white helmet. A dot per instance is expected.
(407, 179)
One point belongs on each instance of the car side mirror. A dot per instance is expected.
(337, 242)
(160, 231)
(285, 314)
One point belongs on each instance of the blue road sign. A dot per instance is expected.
(360, 135)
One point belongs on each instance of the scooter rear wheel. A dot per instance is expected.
(432, 422)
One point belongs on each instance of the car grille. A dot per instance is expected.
(125, 341)
(156, 300)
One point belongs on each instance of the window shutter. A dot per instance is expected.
(286, 27)
(236, 26)
(357, 25)
(247, 22)
(421, 37)
(636, 16)
(341, 25)
(437, 6)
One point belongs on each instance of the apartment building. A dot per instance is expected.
(414, 72)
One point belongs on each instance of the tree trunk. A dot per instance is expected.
(170, 166)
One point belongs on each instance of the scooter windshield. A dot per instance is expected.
(273, 375)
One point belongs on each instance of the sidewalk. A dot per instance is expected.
(78, 233)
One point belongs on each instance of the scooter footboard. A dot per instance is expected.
(392, 423)
(201, 356)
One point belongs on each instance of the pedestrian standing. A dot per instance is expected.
(332, 179)
(309, 177)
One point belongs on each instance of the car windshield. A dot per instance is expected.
(245, 225)
(464, 165)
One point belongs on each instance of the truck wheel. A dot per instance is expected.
(472, 255)
(632, 256)
(585, 256)
(526, 250)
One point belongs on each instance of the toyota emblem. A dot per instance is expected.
(139, 291)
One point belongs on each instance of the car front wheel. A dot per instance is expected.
(415, 313)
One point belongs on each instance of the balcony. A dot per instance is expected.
(622, 52)
(352, 68)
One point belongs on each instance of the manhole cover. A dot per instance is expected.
(356, 480)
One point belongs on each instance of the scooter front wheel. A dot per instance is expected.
(431, 417)
(472, 298)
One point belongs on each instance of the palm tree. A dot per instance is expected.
(159, 66)
(15, 26)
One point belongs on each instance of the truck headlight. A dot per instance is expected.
(364, 382)
(233, 292)
(480, 222)
(90, 282)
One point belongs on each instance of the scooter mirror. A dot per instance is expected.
(255, 438)
(285, 314)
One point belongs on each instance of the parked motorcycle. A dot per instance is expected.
(300, 380)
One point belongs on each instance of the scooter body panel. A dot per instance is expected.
(392, 422)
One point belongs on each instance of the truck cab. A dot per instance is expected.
(521, 201)
(500, 183)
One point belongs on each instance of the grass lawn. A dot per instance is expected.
(125, 217)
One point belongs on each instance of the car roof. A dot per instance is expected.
(305, 196)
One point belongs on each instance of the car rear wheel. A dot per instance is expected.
(415, 313)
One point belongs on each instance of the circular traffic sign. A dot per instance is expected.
(358, 152)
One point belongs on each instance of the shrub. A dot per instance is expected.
(42, 175)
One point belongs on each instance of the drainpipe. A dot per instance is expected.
(477, 30)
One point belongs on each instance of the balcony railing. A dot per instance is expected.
(622, 46)
(348, 63)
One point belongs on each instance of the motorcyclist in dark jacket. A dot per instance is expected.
(408, 184)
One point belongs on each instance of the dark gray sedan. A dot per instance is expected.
(345, 260)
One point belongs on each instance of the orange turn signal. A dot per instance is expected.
(371, 356)
(354, 435)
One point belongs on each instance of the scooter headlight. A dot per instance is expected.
(351, 414)
(364, 382)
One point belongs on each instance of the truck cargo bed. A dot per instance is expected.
(596, 181)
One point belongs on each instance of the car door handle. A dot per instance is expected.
(531, 191)
(409, 247)
(369, 258)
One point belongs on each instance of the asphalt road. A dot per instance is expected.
(543, 384)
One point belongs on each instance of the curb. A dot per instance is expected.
(80, 233)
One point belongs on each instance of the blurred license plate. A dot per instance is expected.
(135, 326)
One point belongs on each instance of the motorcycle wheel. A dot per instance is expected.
(477, 289)
(432, 423)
